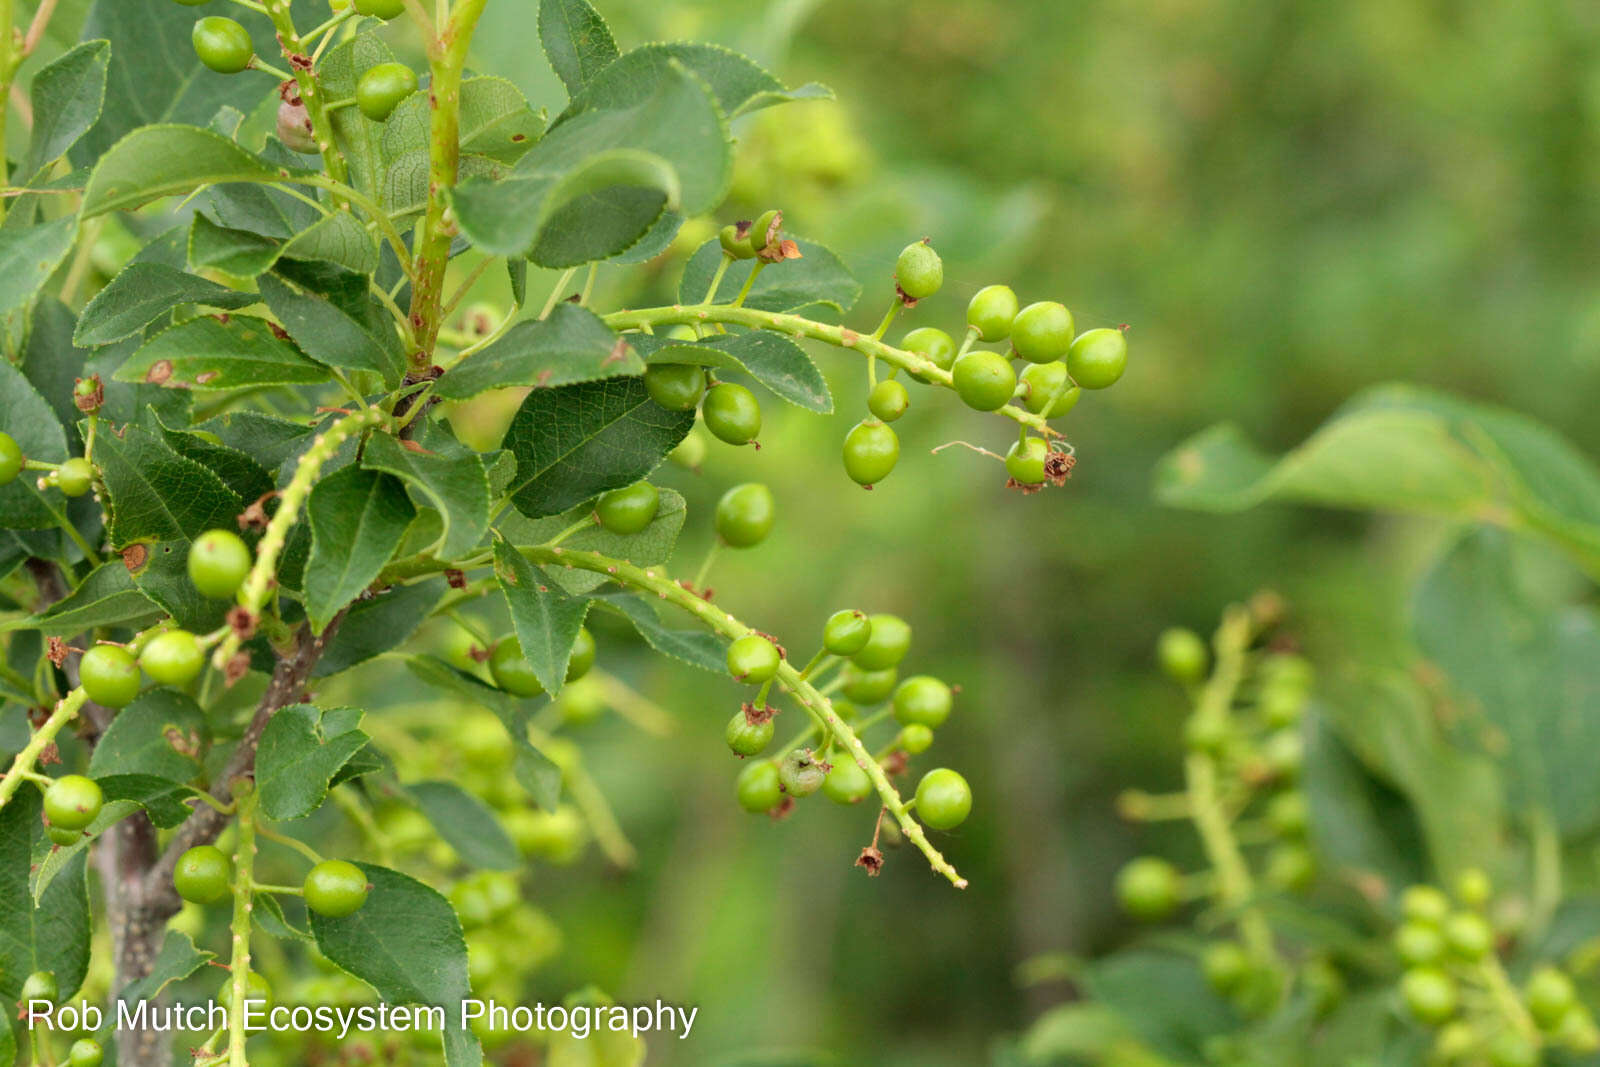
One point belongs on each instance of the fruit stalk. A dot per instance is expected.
(65, 711)
(310, 92)
(243, 902)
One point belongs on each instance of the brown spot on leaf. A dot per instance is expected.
(237, 668)
(456, 579)
(278, 331)
(205, 376)
(160, 371)
(135, 557)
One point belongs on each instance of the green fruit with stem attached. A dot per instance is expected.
(871, 450)
(1429, 994)
(919, 271)
(801, 773)
(758, 788)
(992, 311)
(75, 477)
(511, 671)
(218, 563)
(847, 783)
(762, 227)
(1041, 381)
(1418, 943)
(675, 386)
(629, 509)
(581, 660)
(40, 985)
(886, 645)
(85, 1052)
(202, 875)
(846, 632)
(382, 87)
(944, 799)
(336, 888)
(916, 738)
(984, 380)
(753, 659)
(1098, 358)
(732, 413)
(735, 245)
(1026, 459)
(748, 738)
(63, 836)
(1549, 995)
(173, 658)
(934, 345)
(382, 9)
(222, 44)
(888, 400)
(745, 515)
(1149, 888)
(1042, 332)
(72, 801)
(11, 458)
(1182, 654)
(924, 700)
(109, 675)
(867, 687)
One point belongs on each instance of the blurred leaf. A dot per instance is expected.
(67, 95)
(142, 293)
(601, 1047)
(546, 619)
(357, 520)
(1080, 1029)
(1162, 998)
(1359, 823)
(156, 494)
(818, 277)
(770, 358)
(226, 352)
(466, 825)
(576, 41)
(301, 750)
(738, 82)
(572, 345)
(29, 255)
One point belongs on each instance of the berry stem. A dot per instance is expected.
(749, 283)
(310, 92)
(555, 293)
(244, 858)
(289, 842)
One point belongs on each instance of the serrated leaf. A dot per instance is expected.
(67, 94)
(577, 441)
(649, 546)
(269, 916)
(302, 749)
(155, 494)
(141, 293)
(167, 160)
(159, 734)
(328, 334)
(107, 596)
(358, 518)
(449, 474)
(358, 137)
(238, 471)
(770, 358)
(698, 648)
(496, 122)
(163, 576)
(177, 960)
(405, 182)
(336, 238)
(28, 418)
(406, 943)
(379, 623)
(545, 617)
(818, 277)
(467, 825)
(54, 935)
(211, 353)
(267, 439)
(572, 345)
(739, 83)
(163, 800)
(29, 255)
(576, 41)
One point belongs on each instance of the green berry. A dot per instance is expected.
(800, 773)
(72, 801)
(748, 738)
(745, 515)
(1473, 888)
(1225, 965)
(1287, 814)
(382, 9)
(582, 702)
(919, 271)
(335, 888)
(1025, 460)
(1511, 1049)
(1148, 888)
(1207, 731)
(934, 345)
(75, 476)
(1418, 943)
(871, 450)
(886, 645)
(581, 661)
(10, 458)
(1455, 1041)
(732, 413)
(218, 563)
(984, 380)
(63, 836)
(675, 386)
(1042, 333)
(944, 799)
(1284, 753)
(382, 87)
(992, 311)
(511, 671)
(1469, 935)
(691, 451)
(109, 675)
(202, 875)
(1549, 995)
(758, 787)
(1430, 994)
(1041, 381)
(736, 246)
(916, 738)
(629, 509)
(762, 227)
(40, 985)
(1291, 867)
(1098, 358)
(753, 659)
(1281, 706)
(847, 783)
(86, 1052)
(865, 687)
(888, 400)
(222, 44)
(846, 632)
(1183, 655)
(173, 658)
(557, 837)
(1425, 903)
(923, 699)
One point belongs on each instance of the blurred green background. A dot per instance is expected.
(1287, 201)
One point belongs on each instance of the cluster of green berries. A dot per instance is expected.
(1255, 987)
(1448, 948)
(730, 411)
(42, 985)
(332, 888)
(73, 476)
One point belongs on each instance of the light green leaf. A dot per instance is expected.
(107, 596)
(142, 293)
(449, 475)
(157, 161)
(576, 41)
(54, 935)
(1162, 998)
(697, 648)
(177, 960)
(496, 122)
(405, 182)
(302, 749)
(357, 136)
(334, 337)
(546, 619)
(818, 277)
(67, 94)
(649, 546)
(28, 418)
(220, 352)
(358, 518)
(156, 494)
(572, 345)
(466, 825)
(770, 358)
(159, 734)
(29, 255)
(738, 82)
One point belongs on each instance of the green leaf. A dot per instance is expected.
(155, 494)
(142, 293)
(405, 182)
(302, 749)
(358, 137)
(698, 648)
(448, 474)
(334, 337)
(572, 345)
(163, 576)
(67, 94)
(577, 441)
(163, 800)
(649, 546)
(770, 358)
(738, 82)
(576, 41)
(107, 596)
(406, 943)
(177, 960)
(466, 825)
(545, 618)
(28, 418)
(818, 277)
(220, 352)
(376, 624)
(269, 917)
(496, 122)
(269, 440)
(358, 518)
(336, 238)
(238, 471)
(1162, 997)
(54, 935)
(29, 255)
(167, 160)
(159, 734)
(1360, 824)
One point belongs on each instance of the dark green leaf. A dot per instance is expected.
(167, 160)
(244, 253)
(357, 519)
(237, 470)
(267, 439)
(572, 345)
(379, 623)
(67, 94)
(226, 352)
(106, 597)
(546, 619)
(449, 475)
(177, 960)
(163, 800)
(302, 749)
(159, 734)
(466, 825)
(54, 935)
(163, 576)
(28, 418)
(332, 336)
(29, 255)
(698, 648)
(154, 494)
(269, 916)
(770, 358)
(576, 41)
(142, 293)
(816, 278)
